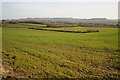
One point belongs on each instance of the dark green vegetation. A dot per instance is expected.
(68, 30)
(49, 54)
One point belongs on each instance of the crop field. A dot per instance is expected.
(29, 53)
(73, 28)
(68, 29)
(22, 25)
(33, 25)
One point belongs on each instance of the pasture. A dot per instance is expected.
(48, 54)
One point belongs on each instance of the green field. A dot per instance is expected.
(73, 28)
(49, 54)
(33, 25)
(22, 25)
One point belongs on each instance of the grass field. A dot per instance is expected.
(68, 29)
(73, 28)
(22, 25)
(49, 54)
(33, 25)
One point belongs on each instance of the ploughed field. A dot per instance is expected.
(50, 54)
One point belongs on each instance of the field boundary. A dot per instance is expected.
(68, 31)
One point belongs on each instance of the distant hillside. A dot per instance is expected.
(73, 20)
(67, 22)
(99, 19)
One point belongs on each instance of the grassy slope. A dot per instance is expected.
(33, 25)
(34, 53)
(69, 29)
(22, 25)
(72, 28)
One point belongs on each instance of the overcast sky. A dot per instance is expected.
(60, 0)
(81, 9)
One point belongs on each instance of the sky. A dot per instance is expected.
(15, 9)
(60, 0)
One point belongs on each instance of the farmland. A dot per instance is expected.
(29, 53)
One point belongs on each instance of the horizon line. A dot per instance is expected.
(62, 17)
